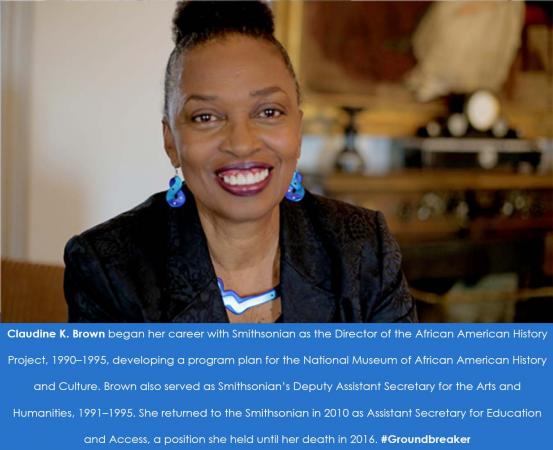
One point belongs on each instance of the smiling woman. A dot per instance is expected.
(240, 239)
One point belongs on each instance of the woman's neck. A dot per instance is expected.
(242, 252)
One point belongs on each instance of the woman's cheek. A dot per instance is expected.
(286, 145)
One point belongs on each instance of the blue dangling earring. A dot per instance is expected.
(296, 190)
(175, 197)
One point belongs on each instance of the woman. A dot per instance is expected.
(241, 241)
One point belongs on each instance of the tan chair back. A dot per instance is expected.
(32, 292)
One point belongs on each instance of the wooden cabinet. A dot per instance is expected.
(461, 227)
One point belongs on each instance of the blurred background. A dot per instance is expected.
(439, 114)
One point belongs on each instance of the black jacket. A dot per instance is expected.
(151, 264)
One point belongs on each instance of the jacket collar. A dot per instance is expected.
(191, 289)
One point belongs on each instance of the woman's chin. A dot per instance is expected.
(249, 211)
(239, 202)
(246, 208)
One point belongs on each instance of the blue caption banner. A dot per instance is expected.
(276, 386)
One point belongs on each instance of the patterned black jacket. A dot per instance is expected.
(339, 263)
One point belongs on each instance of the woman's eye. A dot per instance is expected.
(269, 113)
(203, 118)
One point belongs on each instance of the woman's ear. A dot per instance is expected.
(301, 132)
(169, 143)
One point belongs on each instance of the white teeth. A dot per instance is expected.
(246, 178)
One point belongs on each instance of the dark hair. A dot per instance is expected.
(197, 22)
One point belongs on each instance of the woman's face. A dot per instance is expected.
(236, 129)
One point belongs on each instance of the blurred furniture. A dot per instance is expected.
(501, 155)
(460, 228)
(32, 292)
(423, 205)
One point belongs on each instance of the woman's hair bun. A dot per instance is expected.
(200, 20)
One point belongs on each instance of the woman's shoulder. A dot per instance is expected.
(110, 267)
(346, 222)
(126, 232)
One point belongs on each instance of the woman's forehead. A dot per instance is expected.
(234, 63)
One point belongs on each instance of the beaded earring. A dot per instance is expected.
(296, 190)
(175, 196)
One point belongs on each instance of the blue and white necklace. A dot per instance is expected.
(237, 304)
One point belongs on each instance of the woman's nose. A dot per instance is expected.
(241, 139)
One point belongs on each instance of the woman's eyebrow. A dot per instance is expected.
(266, 91)
(201, 98)
(258, 93)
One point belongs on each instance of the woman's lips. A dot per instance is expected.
(244, 179)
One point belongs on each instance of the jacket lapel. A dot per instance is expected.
(305, 266)
(191, 286)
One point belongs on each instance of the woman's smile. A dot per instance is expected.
(244, 179)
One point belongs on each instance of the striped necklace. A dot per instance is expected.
(238, 305)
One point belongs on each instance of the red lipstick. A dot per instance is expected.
(244, 179)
